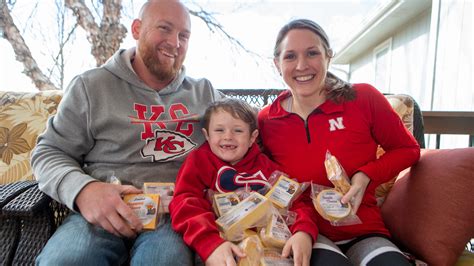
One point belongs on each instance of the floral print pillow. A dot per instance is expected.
(23, 117)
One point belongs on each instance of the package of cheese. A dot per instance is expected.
(329, 206)
(336, 173)
(272, 257)
(223, 202)
(253, 249)
(284, 191)
(145, 207)
(248, 213)
(165, 190)
(276, 233)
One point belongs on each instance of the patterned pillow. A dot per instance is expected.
(23, 117)
(404, 106)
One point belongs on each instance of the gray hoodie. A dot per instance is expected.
(111, 123)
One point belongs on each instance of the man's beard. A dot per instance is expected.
(161, 71)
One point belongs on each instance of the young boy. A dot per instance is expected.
(228, 160)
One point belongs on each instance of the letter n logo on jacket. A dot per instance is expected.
(336, 124)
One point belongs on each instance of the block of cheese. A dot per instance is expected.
(145, 207)
(165, 190)
(276, 233)
(283, 192)
(329, 206)
(222, 203)
(253, 249)
(243, 216)
(272, 257)
(336, 174)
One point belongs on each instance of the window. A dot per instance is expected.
(382, 63)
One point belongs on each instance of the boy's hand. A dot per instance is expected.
(224, 255)
(301, 245)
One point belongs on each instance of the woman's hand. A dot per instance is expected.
(301, 245)
(359, 182)
(224, 255)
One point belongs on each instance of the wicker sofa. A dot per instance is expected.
(427, 208)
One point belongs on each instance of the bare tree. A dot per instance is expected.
(22, 53)
(105, 37)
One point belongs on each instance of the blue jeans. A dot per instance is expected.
(77, 242)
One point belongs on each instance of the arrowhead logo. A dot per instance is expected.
(167, 145)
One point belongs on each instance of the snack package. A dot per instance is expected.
(336, 174)
(222, 203)
(272, 257)
(253, 249)
(113, 179)
(251, 212)
(276, 233)
(327, 202)
(165, 190)
(284, 191)
(145, 207)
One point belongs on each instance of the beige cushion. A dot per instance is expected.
(22, 118)
(429, 209)
(404, 106)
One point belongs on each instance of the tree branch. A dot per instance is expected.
(21, 50)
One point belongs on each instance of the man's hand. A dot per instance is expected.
(359, 182)
(301, 245)
(101, 204)
(224, 255)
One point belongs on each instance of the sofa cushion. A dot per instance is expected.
(404, 106)
(22, 118)
(429, 208)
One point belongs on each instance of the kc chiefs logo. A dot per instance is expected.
(166, 131)
(167, 145)
(229, 180)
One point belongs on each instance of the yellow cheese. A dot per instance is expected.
(336, 175)
(329, 206)
(145, 207)
(283, 192)
(272, 257)
(253, 249)
(276, 233)
(165, 190)
(224, 202)
(243, 216)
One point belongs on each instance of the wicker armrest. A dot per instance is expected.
(29, 203)
(28, 218)
(10, 191)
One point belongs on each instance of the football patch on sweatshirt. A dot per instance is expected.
(229, 180)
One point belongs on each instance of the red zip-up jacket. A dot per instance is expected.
(191, 211)
(351, 131)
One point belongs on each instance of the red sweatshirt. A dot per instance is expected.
(351, 131)
(191, 211)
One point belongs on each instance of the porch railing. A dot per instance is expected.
(435, 122)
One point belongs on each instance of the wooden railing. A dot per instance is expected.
(446, 122)
(435, 122)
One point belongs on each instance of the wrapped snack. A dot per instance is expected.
(336, 174)
(145, 207)
(272, 257)
(249, 213)
(284, 191)
(329, 206)
(276, 233)
(113, 179)
(222, 203)
(253, 249)
(327, 201)
(165, 190)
